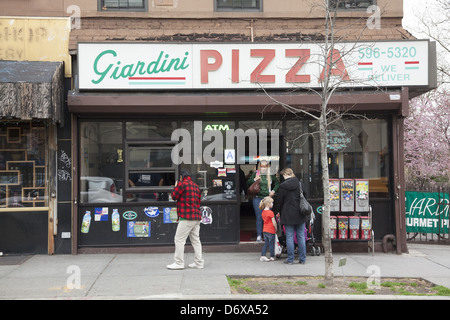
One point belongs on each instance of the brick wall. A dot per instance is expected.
(101, 29)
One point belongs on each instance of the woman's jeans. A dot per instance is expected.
(258, 214)
(269, 242)
(290, 230)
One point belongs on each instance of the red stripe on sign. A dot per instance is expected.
(411, 62)
(156, 78)
(364, 63)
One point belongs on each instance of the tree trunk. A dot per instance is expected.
(326, 238)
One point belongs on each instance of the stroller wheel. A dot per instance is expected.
(313, 251)
(318, 251)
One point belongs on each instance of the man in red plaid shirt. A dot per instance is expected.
(188, 195)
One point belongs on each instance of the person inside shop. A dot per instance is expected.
(146, 179)
(187, 195)
(242, 182)
(269, 229)
(288, 205)
(269, 185)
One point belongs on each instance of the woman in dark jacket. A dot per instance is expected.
(288, 201)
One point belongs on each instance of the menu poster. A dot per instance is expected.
(229, 190)
(138, 229)
(362, 195)
(347, 195)
(334, 195)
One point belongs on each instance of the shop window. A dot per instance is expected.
(151, 173)
(204, 158)
(123, 5)
(351, 4)
(238, 5)
(23, 165)
(212, 143)
(357, 149)
(153, 130)
(101, 162)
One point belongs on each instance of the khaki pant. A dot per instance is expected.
(187, 228)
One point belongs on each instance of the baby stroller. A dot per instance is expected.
(315, 250)
(309, 237)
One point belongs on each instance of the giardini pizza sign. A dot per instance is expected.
(137, 66)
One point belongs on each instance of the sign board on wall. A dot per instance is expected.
(137, 66)
(427, 212)
(36, 39)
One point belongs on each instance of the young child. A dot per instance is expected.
(269, 228)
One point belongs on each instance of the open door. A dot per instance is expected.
(277, 160)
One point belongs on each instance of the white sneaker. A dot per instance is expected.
(258, 239)
(175, 266)
(194, 265)
(264, 259)
(272, 259)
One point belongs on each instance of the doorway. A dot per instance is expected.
(267, 146)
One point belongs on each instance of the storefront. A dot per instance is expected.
(144, 111)
(31, 99)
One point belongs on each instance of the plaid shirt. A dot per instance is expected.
(187, 195)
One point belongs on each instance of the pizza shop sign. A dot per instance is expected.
(138, 66)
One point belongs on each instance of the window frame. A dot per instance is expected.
(26, 175)
(235, 9)
(100, 6)
(312, 181)
(351, 9)
(83, 195)
(131, 145)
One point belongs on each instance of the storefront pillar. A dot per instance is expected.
(399, 173)
(75, 227)
(52, 201)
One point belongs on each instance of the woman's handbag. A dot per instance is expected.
(254, 188)
(305, 207)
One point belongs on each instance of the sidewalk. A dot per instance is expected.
(144, 276)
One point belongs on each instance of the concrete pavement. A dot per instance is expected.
(145, 276)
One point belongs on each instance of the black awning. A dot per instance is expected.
(32, 90)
